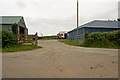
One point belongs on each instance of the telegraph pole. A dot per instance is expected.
(77, 21)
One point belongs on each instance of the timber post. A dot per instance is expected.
(36, 38)
(18, 32)
(25, 34)
(77, 22)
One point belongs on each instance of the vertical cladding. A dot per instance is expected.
(6, 27)
(90, 30)
(72, 34)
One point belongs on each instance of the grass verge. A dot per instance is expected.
(20, 48)
(47, 39)
(73, 43)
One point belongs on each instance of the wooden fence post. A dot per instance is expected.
(36, 38)
(18, 39)
(25, 35)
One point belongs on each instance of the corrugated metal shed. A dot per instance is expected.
(7, 21)
(94, 26)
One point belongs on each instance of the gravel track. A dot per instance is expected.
(59, 60)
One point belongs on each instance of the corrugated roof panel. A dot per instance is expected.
(100, 24)
(10, 19)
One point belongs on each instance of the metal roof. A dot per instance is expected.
(100, 24)
(10, 19)
(63, 31)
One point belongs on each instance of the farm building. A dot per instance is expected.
(94, 26)
(7, 21)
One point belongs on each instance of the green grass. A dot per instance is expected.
(20, 48)
(47, 38)
(73, 43)
(110, 45)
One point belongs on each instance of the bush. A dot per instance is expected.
(15, 28)
(8, 39)
(102, 39)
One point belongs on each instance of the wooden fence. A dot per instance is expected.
(27, 39)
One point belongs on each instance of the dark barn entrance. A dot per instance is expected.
(22, 30)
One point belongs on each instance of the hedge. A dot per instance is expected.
(8, 39)
(102, 39)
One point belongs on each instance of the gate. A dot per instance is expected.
(22, 38)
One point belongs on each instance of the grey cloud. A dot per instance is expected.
(119, 9)
(52, 26)
(21, 4)
(111, 14)
(52, 16)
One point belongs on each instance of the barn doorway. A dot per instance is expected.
(22, 30)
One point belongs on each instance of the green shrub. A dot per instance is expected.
(15, 28)
(8, 39)
(102, 39)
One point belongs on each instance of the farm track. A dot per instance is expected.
(58, 60)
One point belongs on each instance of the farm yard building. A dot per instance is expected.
(7, 21)
(94, 26)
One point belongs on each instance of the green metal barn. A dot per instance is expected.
(7, 21)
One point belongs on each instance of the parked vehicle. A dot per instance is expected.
(62, 35)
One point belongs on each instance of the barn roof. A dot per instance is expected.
(10, 19)
(100, 24)
(63, 31)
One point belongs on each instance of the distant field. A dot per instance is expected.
(47, 38)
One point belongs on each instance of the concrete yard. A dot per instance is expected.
(59, 60)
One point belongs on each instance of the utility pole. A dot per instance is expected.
(77, 21)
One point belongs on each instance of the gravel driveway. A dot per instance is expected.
(59, 60)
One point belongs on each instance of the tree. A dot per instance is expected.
(14, 28)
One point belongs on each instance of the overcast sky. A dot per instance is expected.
(51, 16)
